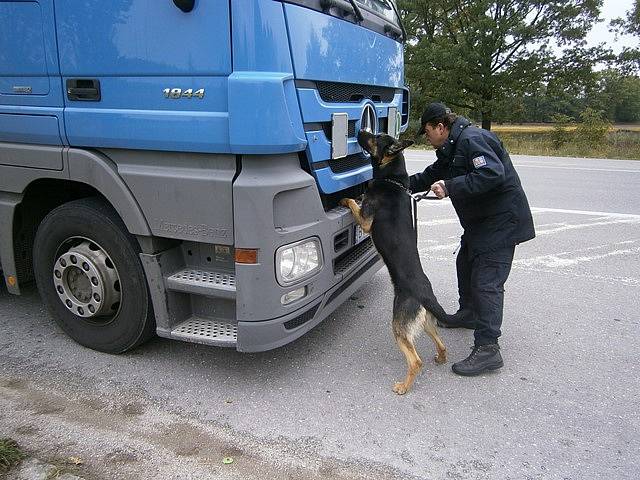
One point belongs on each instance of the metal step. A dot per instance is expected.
(203, 282)
(207, 332)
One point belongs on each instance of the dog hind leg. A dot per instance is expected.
(414, 365)
(432, 330)
(405, 333)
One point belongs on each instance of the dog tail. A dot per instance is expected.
(432, 305)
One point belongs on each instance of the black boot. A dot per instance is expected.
(463, 318)
(483, 358)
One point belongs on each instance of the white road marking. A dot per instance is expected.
(592, 213)
(569, 226)
(588, 169)
(439, 248)
(440, 221)
(565, 272)
(584, 212)
(562, 262)
(556, 261)
(606, 218)
(554, 224)
(628, 281)
(572, 263)
(600, 247)
(428, 159)
(434, 203)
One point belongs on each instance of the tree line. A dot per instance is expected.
(520, 60)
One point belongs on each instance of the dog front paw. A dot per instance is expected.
(400, 388)
(345, 202)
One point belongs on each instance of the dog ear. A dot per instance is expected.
(397, 147)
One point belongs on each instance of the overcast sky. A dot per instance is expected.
(600, 33)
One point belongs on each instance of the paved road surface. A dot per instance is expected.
(565, 406)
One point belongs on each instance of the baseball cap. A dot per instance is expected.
(434, 110)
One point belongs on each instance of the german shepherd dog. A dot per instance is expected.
(385, 213)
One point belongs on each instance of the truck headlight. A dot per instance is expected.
(298, 261)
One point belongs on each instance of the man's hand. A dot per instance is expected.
(439, 189)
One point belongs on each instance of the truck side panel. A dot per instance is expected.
(31, 156)
(186, 196)
(136, 49)
(36, 129)
(30, 88)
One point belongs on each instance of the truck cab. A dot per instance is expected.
(174, 167)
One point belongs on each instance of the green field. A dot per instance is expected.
(621, 142)
(547, 128)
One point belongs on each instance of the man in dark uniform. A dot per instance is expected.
(474, 169)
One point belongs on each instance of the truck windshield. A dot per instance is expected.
(378, 15)
(383, 8)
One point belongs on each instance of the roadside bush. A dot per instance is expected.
(593, 129)
(560, 133)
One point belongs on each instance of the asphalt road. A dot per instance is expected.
(565, 406)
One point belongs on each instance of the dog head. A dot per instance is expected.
(384, 149)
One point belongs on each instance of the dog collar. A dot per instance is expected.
(398, 184)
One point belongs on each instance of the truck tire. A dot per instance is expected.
(89, 275)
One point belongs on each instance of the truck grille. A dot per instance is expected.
(326, 127)
(351, 132)
(350, 162)
(353, 92)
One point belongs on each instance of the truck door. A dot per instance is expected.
(30, 85)
(144, 74)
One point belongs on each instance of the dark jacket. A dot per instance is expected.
(483, 186)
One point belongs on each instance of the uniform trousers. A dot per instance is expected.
(481, 279)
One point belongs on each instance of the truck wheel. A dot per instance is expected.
(90, 277)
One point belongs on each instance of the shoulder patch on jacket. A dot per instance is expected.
(479, 161)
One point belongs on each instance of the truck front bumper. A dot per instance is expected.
(265, 335)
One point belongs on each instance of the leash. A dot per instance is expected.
(423, 196)
(415, 198)
(414, 206)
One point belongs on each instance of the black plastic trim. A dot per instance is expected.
(301, 319)
(353, 278)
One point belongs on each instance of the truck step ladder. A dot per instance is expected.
(202, 282)
(198, 327)
(207, 332)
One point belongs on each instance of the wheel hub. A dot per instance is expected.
(86, 280)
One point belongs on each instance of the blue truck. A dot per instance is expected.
(174, 167)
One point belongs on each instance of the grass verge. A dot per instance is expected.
(547, 128)
(10, 454)
(622, 142)
(624, 145)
